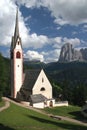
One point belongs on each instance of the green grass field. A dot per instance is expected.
(2, 103)
(70, 111)
(18, 118)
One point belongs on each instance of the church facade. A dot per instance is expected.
(32, 86)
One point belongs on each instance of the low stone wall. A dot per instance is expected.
(25, 103)
(61, 103)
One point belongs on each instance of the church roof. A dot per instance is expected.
(37, 98)
(30, 78)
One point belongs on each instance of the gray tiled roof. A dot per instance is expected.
(30, 78)
(37, 98)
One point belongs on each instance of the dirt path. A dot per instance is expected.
(68, 119)
(37, 110)
(7, 104)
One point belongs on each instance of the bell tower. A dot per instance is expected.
(16, 57)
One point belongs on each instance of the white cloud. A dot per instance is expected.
(65, 11)
(46, 57)
(7, 22)
(74, 41)
(29, 3)
(85, 26)
(34, 55)
(7, 25)
(7, 14)
(74, 33)
(51, 56)
(58, 28)
(57, 42)
(27, 18)
(36, 41)
(58, 39)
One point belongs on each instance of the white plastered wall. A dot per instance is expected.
(38, 105)
(18, 70)
(45, 84)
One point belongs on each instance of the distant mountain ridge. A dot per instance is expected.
(70, 54)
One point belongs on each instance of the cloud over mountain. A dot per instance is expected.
(63, 12)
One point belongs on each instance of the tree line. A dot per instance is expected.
(4, 76)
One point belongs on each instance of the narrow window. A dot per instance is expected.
(18, 55)
(42, 80)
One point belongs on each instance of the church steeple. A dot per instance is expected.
(16, 38)
(16, 54)
(16, 33)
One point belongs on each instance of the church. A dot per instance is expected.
(31, 86)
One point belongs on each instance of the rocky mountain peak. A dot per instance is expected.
(68, 54)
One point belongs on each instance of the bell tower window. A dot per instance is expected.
(18, 55)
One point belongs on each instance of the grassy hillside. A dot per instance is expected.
(70, 111)
(18, 118)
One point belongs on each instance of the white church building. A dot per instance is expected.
(31, 86)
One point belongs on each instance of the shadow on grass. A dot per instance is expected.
(2, 127)
(78, 116)
(62, 124)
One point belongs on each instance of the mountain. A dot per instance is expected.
(84, 53)
(69, 54)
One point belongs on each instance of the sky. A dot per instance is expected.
(44, 26)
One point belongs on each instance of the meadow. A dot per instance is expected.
(2, 103)
(70, 111)
(18, 118)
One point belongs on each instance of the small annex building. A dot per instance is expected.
(40, 101)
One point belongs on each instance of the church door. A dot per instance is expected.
(51, 104)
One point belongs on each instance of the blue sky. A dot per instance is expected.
(45, 25)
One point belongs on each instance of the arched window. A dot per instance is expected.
(18, 55)
(51, 104)
(42, 89)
